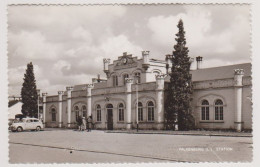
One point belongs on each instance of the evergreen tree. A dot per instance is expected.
(179, 91)
(29, 93)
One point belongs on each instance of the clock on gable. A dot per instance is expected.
(124, 60)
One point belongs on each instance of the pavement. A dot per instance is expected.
(168, 132)
(70, 146)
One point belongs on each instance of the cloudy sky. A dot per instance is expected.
(67, 44)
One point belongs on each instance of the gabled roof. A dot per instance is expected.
(221, 72)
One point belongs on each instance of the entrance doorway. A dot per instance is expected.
(109, 117)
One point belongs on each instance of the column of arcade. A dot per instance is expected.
(238, 84)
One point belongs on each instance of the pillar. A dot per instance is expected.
(160, 100)
(146, 63)
(238, 78)
(168, 59)
(44, 108)
(106, 63)
(129, 83)
(89, 88)
(60, 93)
(69, 89)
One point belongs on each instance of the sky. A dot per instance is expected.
(67, 44)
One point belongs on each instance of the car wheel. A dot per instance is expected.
(38, 128)
(19, 129)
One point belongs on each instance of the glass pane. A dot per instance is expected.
(109, 106)
(150, 103)
(207, 115)
(203, 115)
(84, 107)
(221, 114)
(76, 108)
(121, 105)
(205, 102)
(219, 102)
(216, 113)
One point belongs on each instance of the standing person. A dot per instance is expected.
(89, 123)
(79, 121)
(84, 123)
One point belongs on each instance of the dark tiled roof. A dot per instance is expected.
(12, 102)
(221, 72)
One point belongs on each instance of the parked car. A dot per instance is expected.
(27, 124)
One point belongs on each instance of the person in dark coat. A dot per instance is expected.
(79, 121)
(89, 122)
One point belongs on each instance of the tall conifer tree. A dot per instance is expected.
(29, 93)
(178, 101)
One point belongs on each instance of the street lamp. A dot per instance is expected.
(38, 101)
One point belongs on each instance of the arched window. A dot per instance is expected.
(205, 110)
(150, 107)
(115, 80)
(219, 110)
(84, 110)
(98, 113)
(53, 114)
(140, 111)
(137, 77)
(121, 112)
(124, 77)
(76, 109)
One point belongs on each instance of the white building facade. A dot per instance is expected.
(134, 92)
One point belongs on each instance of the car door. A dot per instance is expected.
(29, 124)
(36, 123)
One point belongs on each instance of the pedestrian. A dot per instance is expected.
(89, 122)
(84, 123)
(79, 121)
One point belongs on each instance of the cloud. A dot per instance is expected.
(32, 45)
(61, 66)
(115, 46)
(67, 44)
(90, 57)
(82, 34)
(16, 75)
(200, 39)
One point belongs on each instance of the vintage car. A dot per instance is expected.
(27, 124)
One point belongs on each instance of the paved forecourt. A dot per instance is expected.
(63, 146)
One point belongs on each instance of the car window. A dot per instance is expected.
(36, 120)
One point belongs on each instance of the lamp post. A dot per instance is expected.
(38, 101)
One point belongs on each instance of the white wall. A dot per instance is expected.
(15, 109)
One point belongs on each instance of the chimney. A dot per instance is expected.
(168, 59)
(199, 62)
(98, 78)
